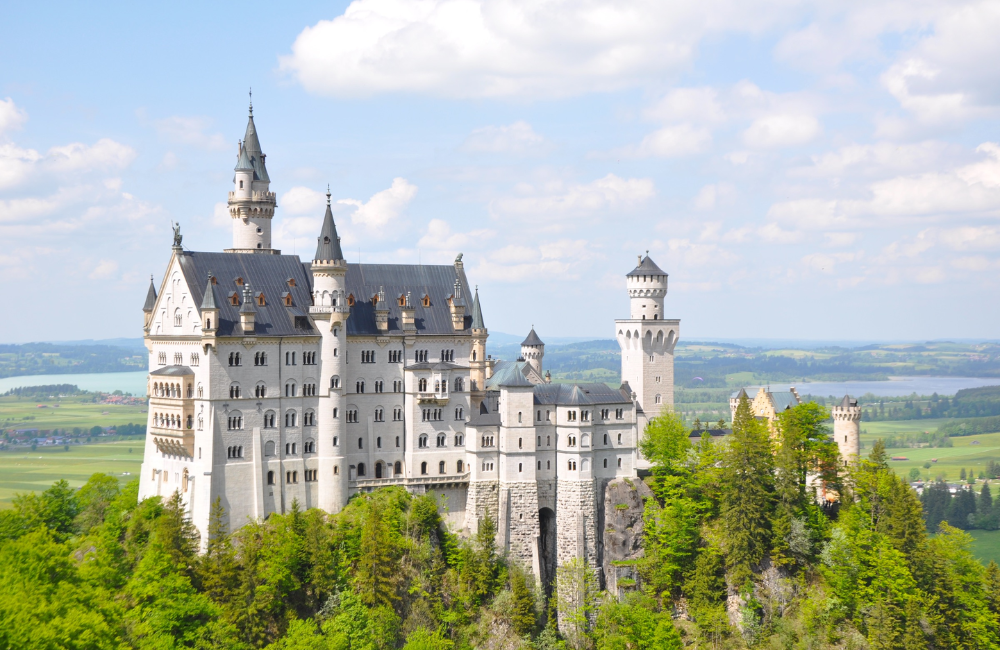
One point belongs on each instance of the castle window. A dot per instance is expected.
(201, 391)
(234, 391)
(548, 416)
(352, 415)
(397, 414)
(539, 465)
(397, 469)
(290, 389)
(235, 359)
(178, 318)
(239, 281)
(290, 419)
(519, 417)
(195, 359)
(379, 384)
(361, 443)
(619, 438)
(359, 386)
(423, 468)
(619, 461)
(657, 398)
(336, 470)
(395, 356)
(402, 300)
(260, 359)
(260, 390)
(585, 416)
(571, 416)
(520, 467)
(378, 442)
(288, 300)
(420, 356)
(520, 443)
(571, 464)
(441, 467)
(234, 298)
(422, 441)
(605, 463)
(548, 441)
(161, 358)
(397, 442)
(269, 419)
(538, 417)
(605, 438)
(441, 440)
(270, 478)
(291, 282)
(459, 467)
(459, 385)
(308, 418)
(459, 440)
(620, 414)
(235, 421)
(422, 385)
(379, 415)
(241, 184)
(178, 358)
(309, 358)
(269, 448)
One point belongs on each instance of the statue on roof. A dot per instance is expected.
(177, 234)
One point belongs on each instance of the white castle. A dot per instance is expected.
(274, 380)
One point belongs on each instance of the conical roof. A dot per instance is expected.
(532, 339)
(243, 164)
(477, 313)
(847, 402)
(647, 267)
(150, 297)
(328, 243)
(208, 302)
(251, 145)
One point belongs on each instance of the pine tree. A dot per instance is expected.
(523, 614)
(747, 494)
(374, 570)
(218, 569)
(991, 585)
(985, 499)
(961, 475)
(913, 632)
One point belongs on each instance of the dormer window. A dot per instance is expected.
(291, 282)
(260, 299)
(402, 300)
(288, 300)
(426, 301)
(234, 298)
(215, 280)
(375, 299)
(239, 282)
(350, 300)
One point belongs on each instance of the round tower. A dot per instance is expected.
(330, 311)
(533, 350)
(647, 288)
(847, 428)
(251, 204)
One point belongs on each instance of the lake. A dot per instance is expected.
(894, 387)
(108, 382)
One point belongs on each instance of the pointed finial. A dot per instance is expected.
(647, 252)
(251, 101)
(328, 194)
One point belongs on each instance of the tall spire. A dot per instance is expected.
(150, 297)
(252, 147)
(477, 313)
(208, 302)
(328, 243)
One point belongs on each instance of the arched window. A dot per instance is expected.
(422, 441)
(378, 469)
(335, 382)
(269, 417)
(234, 391)
(289, 418)
(422, 385)
(270, 478)
(397, 469)
(518, 417)
(423, 468)
(361, 469)
(336, 470)
(235, 421)
(269, 448)
(290, 389)
(359, 386)
(260, 390)
(459, 385)
(459, 467)
(441, 467)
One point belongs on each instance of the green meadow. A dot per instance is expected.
(67, 413)
(34, 471)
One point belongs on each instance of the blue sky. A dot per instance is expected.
(800, 169)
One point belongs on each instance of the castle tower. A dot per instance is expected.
(477, 359)
(330, 311)
(533, 350)
(647, 342)
(847, 428)
(251, 205)
(147, 309)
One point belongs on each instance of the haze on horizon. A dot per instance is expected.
(801, 171)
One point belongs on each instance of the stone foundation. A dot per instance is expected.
(622, 531)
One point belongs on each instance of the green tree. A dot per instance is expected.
(633, 624)
(93, 500)
(915, 474)
(522, 616)
(576, 594)
(424, 639)
(747, 494)
(374, 568)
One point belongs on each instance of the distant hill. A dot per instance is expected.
(70, 358)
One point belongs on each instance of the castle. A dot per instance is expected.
(274, 380)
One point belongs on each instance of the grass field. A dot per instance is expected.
(34, 471)
(20, 413)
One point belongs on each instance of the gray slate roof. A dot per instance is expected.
(173, 371)
(251, 145)
(265, 273)
(848, 402)
(646, 267)
(580, 394)
(437, 282)
(532, 339)
(783, 400)
(328, 243)
(208, 302)
(477, 313)
(150, 297)
(515, 380)
(503, 371)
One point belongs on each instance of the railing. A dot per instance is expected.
(363, 483)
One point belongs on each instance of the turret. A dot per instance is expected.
(532, 350)
(147, 309)
(248, 313)
(847, 428)
(251, 204)
(647, 288)
(477, 360)
(209, 310)
(330, 311)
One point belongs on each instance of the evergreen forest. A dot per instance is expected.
(763, 541)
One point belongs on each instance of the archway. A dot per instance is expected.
(547, 530)
(379, 469)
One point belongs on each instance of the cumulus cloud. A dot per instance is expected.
(383, 208)
(558, 201)
(516, 138)
(827, 262)
(105, 270)
(557, 260)
(191, 131)
(17, 165)
(709, 195)
(303, 200)
(439, 236)
(11, 117)
(781, 131)
(510, 48)
(672, 141)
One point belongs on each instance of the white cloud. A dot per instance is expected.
(220, 216)
(511, 48)
(11, 117)
(303, 200)
(694, 254)
(827, 262)
(557, 201)
(517, 138)
(191, 131)
(839, 239)
(104, 154)
(688, 105)
(709, 195)
(972, 238)
(773, 233)
(383, 207)
(105, 270)
(439, 236)
(558, 260)
(672, 141)
(781, 131)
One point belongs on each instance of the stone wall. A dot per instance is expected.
(576, 521)
(523, 531)
(482, 501)
(622, 532)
